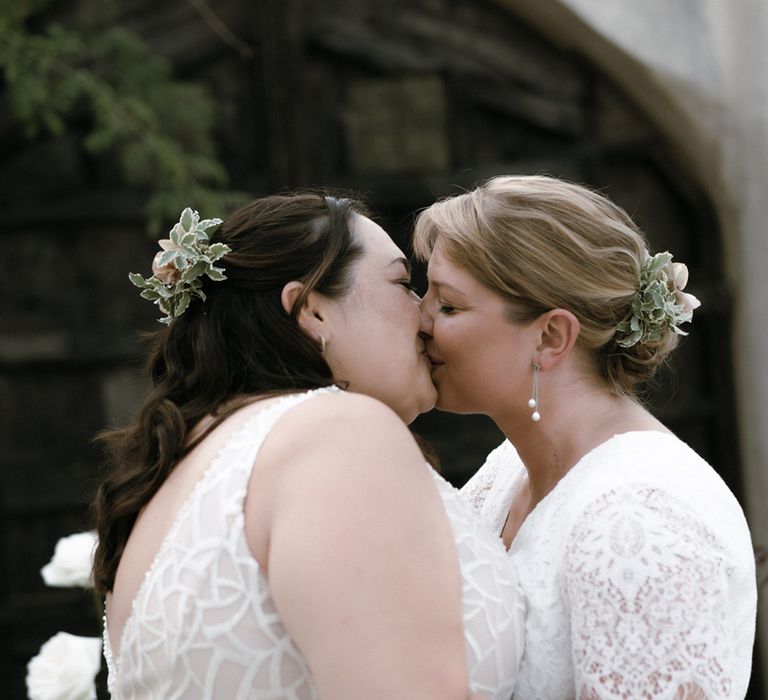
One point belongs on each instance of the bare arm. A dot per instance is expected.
(361, 561)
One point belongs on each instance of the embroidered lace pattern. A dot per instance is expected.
(203, 623)
(491, 489)
(494, 609)
(639, 574)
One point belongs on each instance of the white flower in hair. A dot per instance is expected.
(168, 273)
(179, 267)
(677, 274)
(659, 304)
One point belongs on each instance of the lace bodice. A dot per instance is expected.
(638, 571)
(203, 623)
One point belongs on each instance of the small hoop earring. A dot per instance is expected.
(533, 402)
(322, 345)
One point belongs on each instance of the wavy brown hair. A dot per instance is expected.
(239, 343)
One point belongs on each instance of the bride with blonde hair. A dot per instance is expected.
(546, 312)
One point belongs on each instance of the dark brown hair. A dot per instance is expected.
(240, 342)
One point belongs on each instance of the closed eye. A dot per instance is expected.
(408, 285)
(445, 309)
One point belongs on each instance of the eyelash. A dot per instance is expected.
(445, 309)
(408, 285)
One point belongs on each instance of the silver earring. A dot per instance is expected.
(533, 402)
(322, 345)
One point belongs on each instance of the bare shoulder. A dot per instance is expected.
(339, 422)
(331, 454)
(345, 405)
(325, 436)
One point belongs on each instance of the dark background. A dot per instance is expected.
(401, 102)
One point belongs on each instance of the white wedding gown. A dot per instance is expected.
(638, 572)
(203, 624)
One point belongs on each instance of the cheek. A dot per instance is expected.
(452, 338)
(410, 316)
(400, 322)
(470, 354)
(389, 332)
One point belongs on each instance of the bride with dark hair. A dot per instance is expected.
(269, 528)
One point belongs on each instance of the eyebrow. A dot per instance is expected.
(438, 283)
(404, 261)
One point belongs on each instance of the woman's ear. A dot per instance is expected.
(559, 330)
(289, 295)
(310, 317)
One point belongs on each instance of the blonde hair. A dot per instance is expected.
(544, 244)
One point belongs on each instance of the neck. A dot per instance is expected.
(573, 421)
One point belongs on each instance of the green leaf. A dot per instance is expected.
(163, 292)
(657, 262)
(182, 305)
(217, 251)
(207, 224)
(188, 240)
(180, 261)
(166, 258)
(193, 271)
(216, 274)
(138, 280)
(176, 234)
(188, 220)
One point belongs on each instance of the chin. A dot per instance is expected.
(447, 405)
(427, 406)
(424, 403)
(428, 397)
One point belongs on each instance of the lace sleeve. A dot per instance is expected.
(479, 485)
(491, 489)
(649, 592)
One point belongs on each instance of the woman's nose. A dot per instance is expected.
(425, 319)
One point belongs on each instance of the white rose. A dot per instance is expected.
(72, 562)
(65, 669)
(167, 274)
(677, 274)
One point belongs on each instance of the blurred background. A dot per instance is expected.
(116, 114)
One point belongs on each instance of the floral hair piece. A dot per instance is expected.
(177, 270)
(659, 303)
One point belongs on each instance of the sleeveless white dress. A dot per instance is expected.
(638, 572)
(203, 623)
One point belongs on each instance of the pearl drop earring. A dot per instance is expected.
(533, 402)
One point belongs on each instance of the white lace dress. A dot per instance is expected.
(638, 571)
(203, 623)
